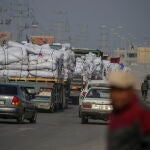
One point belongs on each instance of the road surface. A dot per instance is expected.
(58, 131)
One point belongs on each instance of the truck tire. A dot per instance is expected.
(80, 115)
(20, 119)
(84, 120)
(52, 109)
(33, 118)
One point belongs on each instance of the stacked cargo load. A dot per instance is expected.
(90, 66)
(31, 60)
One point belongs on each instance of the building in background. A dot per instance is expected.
(143, 55)
(127, 56)
(4, 37)
(138, 59)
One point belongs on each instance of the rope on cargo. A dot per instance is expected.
(21, 66)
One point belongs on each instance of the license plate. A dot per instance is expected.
(42, 105)
(103, 107)
(2, 103)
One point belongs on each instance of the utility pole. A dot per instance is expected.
(81, 39)
(5, 15)
(61, 27)
(22, 16)
(104, 39)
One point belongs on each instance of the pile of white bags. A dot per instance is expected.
(88, 66)
(91, 66)
(30, 60)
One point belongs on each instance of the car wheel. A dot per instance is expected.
(56, 107)
(33, 119)
(84, 120)
(20, 119)
(80, 113)
(52, 109)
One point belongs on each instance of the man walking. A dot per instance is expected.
(129, 127)
(144, 88)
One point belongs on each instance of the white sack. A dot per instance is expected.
(15, 66)
(13, 73)
(45, 74)
(12, 54)
(46, 65)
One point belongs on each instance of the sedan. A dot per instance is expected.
(96, 105)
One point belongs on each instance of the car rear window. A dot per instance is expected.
(42, 97)
(8, 90)
(98, 93)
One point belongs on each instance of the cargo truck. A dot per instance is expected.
(77, 82)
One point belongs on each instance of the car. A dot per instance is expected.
(44, 103)
(96, 104)
(89, 84)
(15, 103)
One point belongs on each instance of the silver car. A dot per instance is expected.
(96, 104)
(44, 103)
(15, 103)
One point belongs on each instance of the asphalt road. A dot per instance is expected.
(58, 131)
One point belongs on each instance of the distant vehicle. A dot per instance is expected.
(96, 104)
(15, 103)
(44, 103)
(89, 84)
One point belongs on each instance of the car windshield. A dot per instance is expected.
(42, 97)
(8, 90)
(98, 93)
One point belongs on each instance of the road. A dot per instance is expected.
(58, 131)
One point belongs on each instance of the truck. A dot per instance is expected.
(77, 83)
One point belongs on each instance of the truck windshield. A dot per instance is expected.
(8, 90)
(98, 93)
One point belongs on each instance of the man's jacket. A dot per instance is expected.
(144, 86)
(129, 127)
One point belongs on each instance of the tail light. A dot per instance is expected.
(15, 101)
(86, 105)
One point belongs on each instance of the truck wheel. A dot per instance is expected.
(52, 109)
(33, 119)
(84, 120)
(20, 119)
(80, 113)
(56, 107)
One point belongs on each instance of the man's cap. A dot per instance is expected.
(121, 79)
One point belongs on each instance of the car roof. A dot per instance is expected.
(97, 82)
(101, 88)
(10, 84)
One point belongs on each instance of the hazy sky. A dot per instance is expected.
(133, 15)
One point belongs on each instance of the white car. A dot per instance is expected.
(96, 104)
(91, 83)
